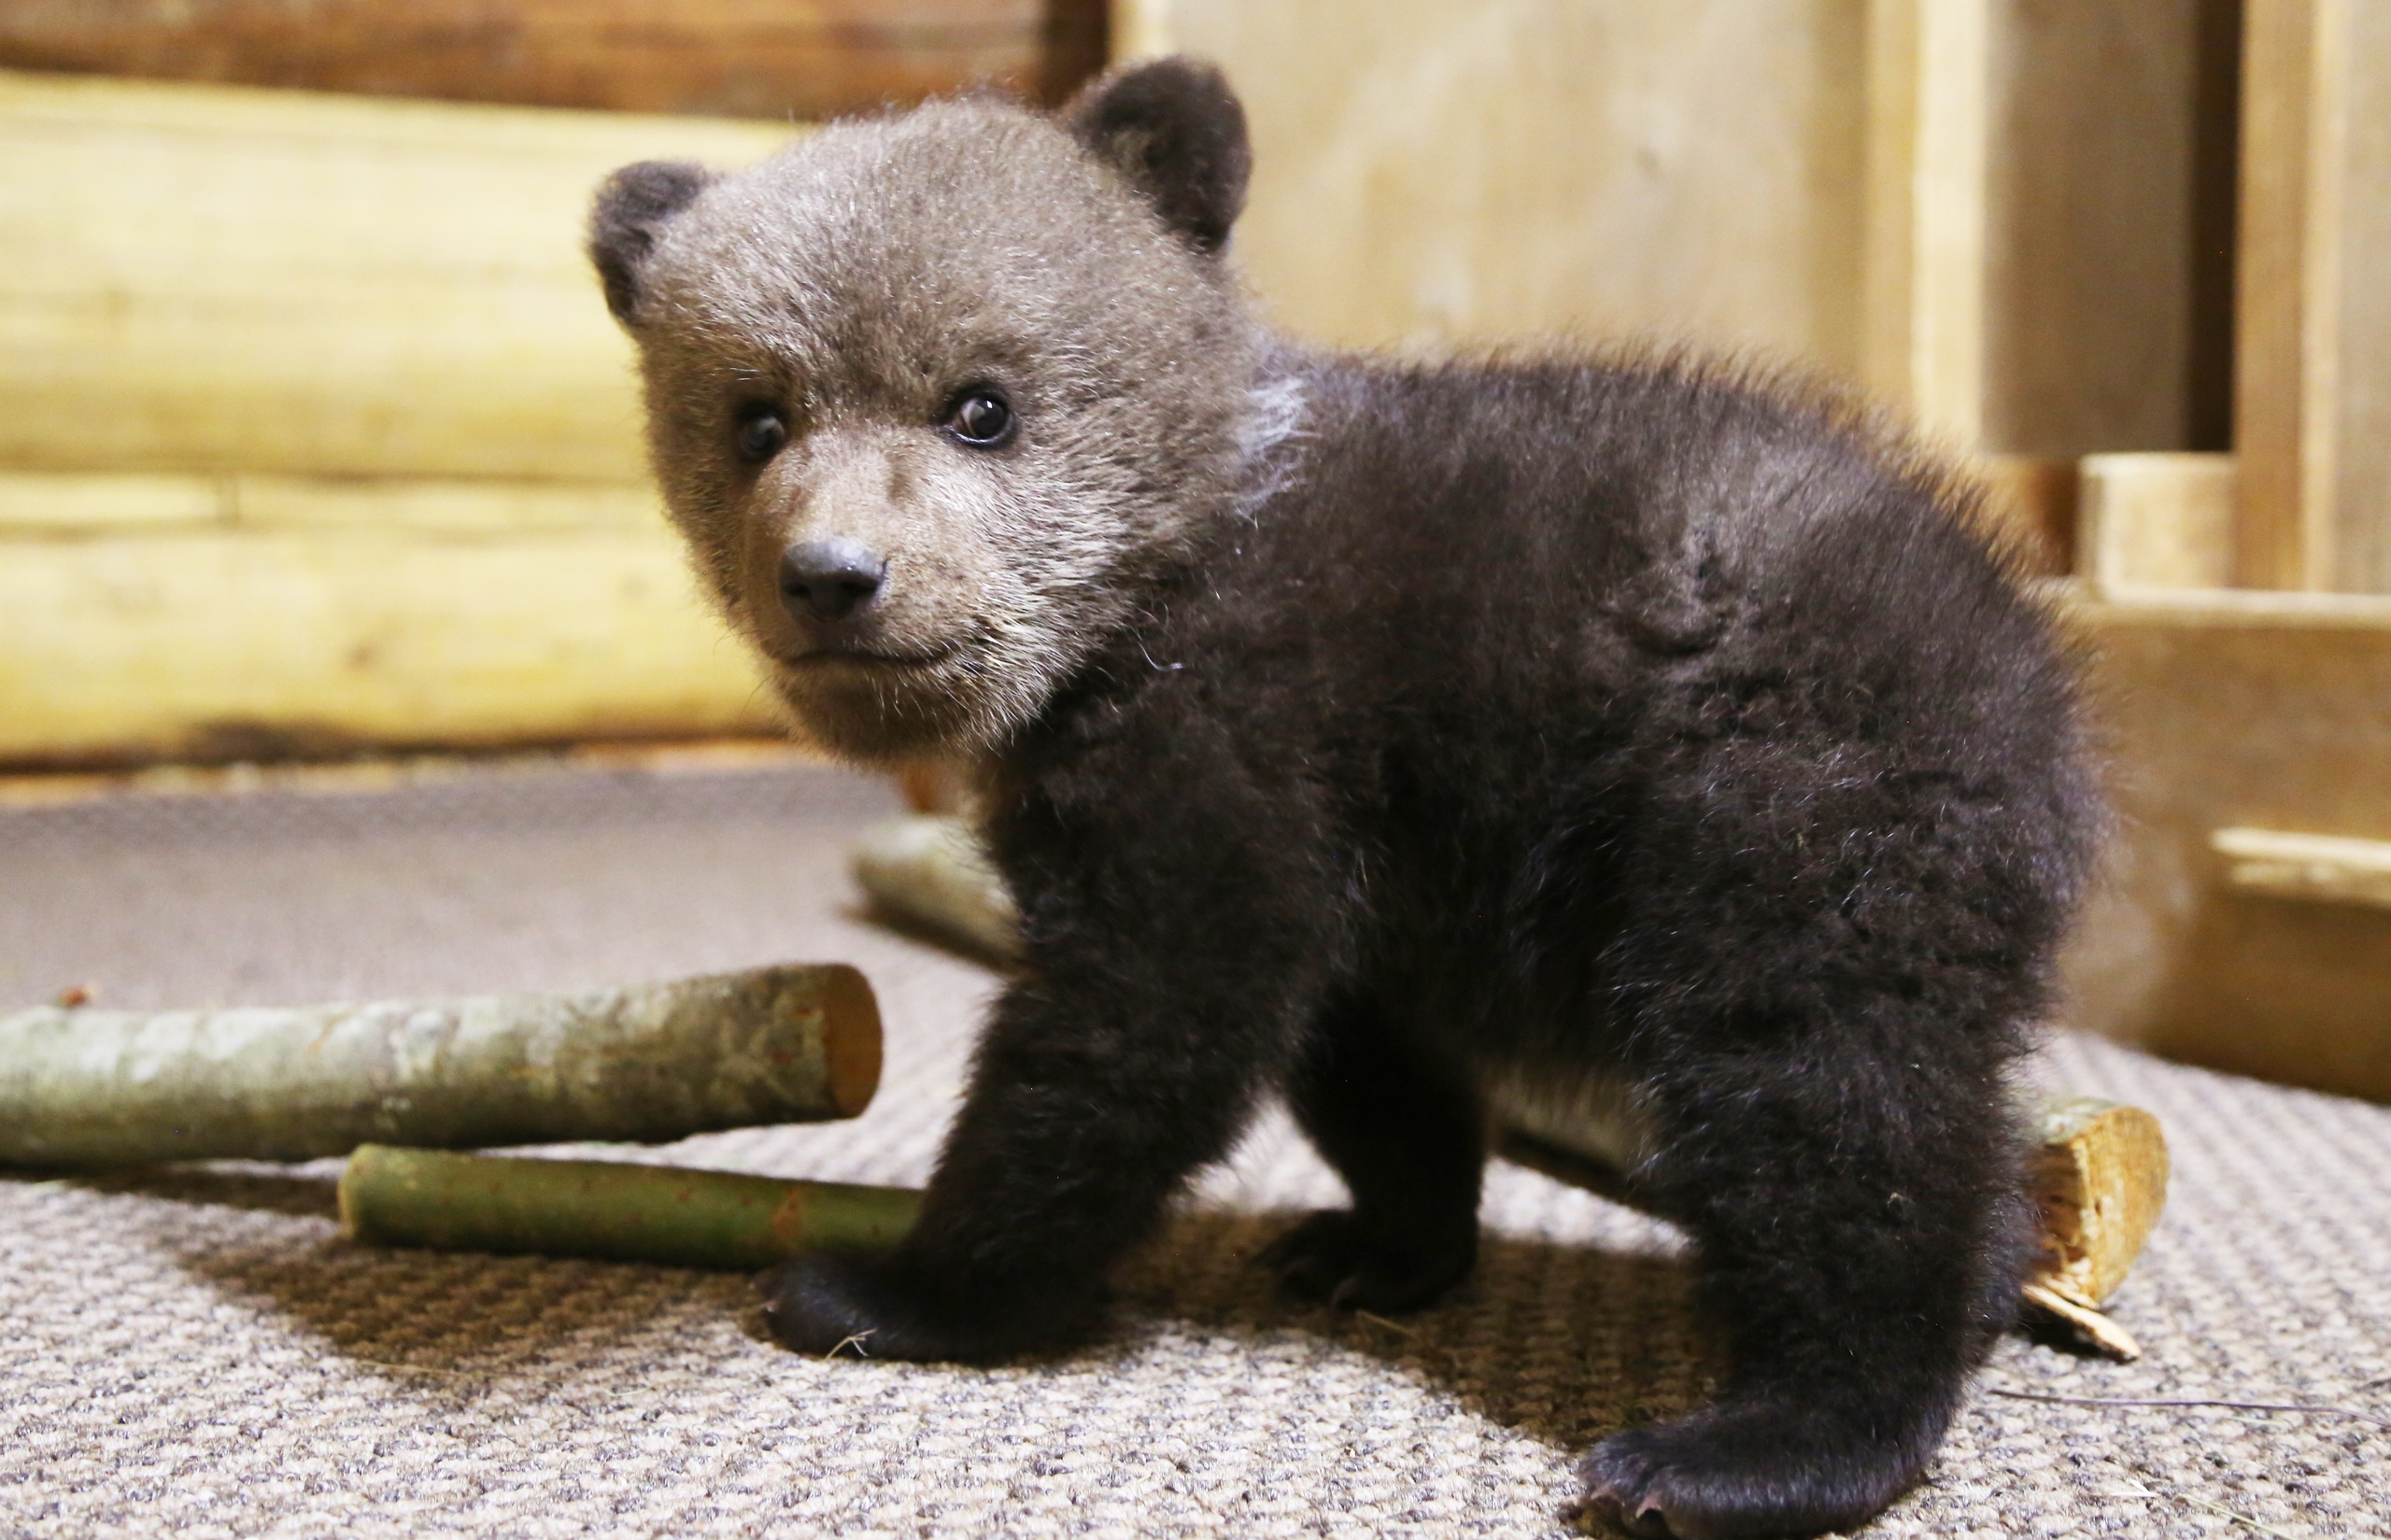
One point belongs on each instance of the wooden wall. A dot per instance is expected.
(1428, 173)
(2228, 709)
(779, 58)
(1702, 171)
(315, 432)
(2109, 219)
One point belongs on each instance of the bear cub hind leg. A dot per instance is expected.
(1862, 1265)
(1410, 1146)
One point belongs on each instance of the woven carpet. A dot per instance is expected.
(197, 1350)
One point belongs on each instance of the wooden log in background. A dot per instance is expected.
(783, 59)
(315, 432)
(218, 280)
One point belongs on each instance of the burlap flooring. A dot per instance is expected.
(198, 1352)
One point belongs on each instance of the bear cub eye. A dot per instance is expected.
(761, 434)
(981, 417)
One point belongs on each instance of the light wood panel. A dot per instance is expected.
(1928, 67)
(203, 278)
(2162, 520)
(1429, 174)
(2314, 868)
(68, 503)
(2361, 488)
(2239, 708)
(2109, 198)
(778, 59)
(2282, 348)
(214, 643)
(2030, 500)
(2313, 330)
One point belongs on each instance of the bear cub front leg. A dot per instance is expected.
(1410, 1145)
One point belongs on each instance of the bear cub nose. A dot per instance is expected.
(831, 579)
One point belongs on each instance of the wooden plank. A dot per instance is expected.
(73, 503)
(2277, 367)
(1928, 65)
(2314, 327)
(2361, 456)
(1428, 174)
(231, 643)
(2032, 499)
(2109, 184)
(2309, 868)
(777, 59)
(384, 773)
(2239, 708)
(70, 504)
(2157, 519)
(203, 278)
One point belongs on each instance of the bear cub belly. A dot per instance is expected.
(1624, 743)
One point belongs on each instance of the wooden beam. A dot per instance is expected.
(2242, 709)
(2283, 341)
(2361, 452)
(2313, 393)
(2109, 179)
(775, 59)
(2162, 520)
(210, 279)
(220, 643)
(56, 504)
(2030, 500)
(1928, 66)
(2309, 868)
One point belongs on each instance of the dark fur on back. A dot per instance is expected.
(1625, 731)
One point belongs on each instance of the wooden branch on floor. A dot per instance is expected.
(82, 1088)
(614, 1210)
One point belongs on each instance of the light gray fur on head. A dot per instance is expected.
(858, 280)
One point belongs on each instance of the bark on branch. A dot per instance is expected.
(87, 1089)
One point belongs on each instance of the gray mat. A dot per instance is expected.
(197, 1352)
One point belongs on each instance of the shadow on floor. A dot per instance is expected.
(1565, 1343)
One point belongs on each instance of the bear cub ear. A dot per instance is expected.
(1175, 131)
(632, 206)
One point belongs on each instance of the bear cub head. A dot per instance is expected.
(934, 397)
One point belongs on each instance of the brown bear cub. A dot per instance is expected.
(1625, 749)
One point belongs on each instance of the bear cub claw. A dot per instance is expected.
(1333, 1258)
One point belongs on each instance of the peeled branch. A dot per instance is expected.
(928, 870)
(89, 1089)
(610, 1210)
(2099, 1175)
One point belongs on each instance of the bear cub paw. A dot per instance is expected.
(1756, 1466)
(1333, 1258)
(873, 1306)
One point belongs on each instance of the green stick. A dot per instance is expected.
(83, 1088)
(610, 1210)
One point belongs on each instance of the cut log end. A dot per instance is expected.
(851, 1040)
(2099, 1175)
